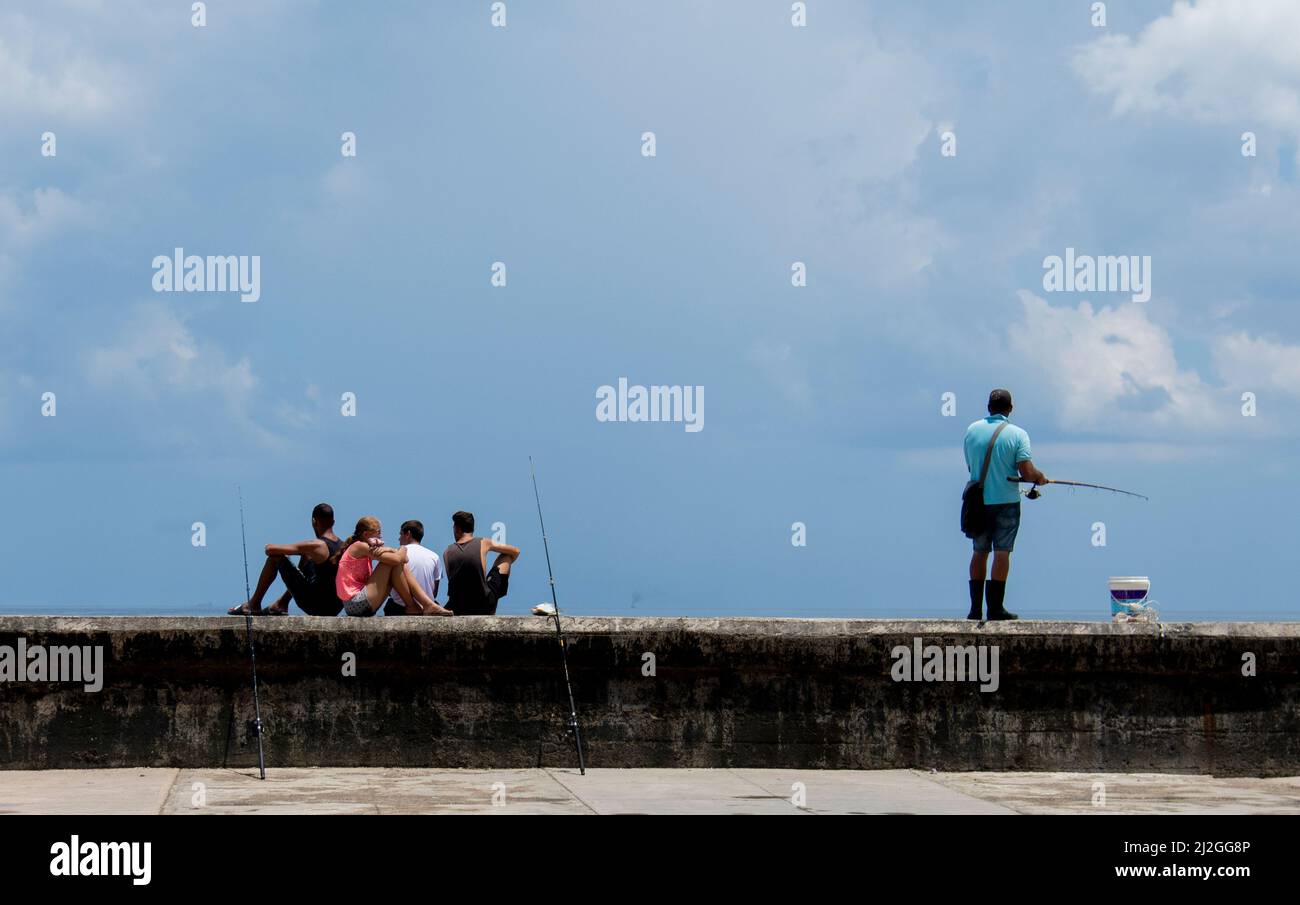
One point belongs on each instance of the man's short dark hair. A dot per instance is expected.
(413, 528)
(463, 521)
(1000, 402)
(324, 513)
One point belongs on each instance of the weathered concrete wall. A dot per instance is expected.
(488, 691)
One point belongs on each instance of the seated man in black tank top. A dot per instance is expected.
(472, 588)
(310, 583)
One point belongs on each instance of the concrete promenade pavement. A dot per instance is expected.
(632, 791)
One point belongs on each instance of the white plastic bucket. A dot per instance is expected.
(1128, 593)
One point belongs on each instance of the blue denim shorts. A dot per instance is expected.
(1003, 525)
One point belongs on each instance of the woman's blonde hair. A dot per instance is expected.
(364, 524)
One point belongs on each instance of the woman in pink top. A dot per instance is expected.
(362, 586)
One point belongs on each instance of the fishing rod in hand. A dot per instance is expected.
(1033, 493)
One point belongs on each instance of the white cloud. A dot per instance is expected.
(28, 220)
(155, 356)
(813, 132)
(859, 131)
(48, 210)
(856, 147)
(1253, 364)
(1228, 61)
(1107, 365)
(41, 72)
(301, 415)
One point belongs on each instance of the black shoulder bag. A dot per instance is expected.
(974, 516)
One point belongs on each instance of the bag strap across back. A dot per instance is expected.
(988, 454)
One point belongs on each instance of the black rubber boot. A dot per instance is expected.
(976, 599)
(997, 591)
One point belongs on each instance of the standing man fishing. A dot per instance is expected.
(995, 444)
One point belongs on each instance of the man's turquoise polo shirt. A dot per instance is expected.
(1013, 447)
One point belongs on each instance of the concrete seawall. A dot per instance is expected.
(803, 693)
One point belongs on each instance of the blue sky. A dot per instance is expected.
(774, 144)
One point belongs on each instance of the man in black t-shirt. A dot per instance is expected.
(310, 583)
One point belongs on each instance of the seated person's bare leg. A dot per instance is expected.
(254, 604)
(417, 607)
(385, 578)
(424, 604)
(402, 582)
(282, 604)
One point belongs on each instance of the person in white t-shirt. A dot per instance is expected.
(423, 574)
